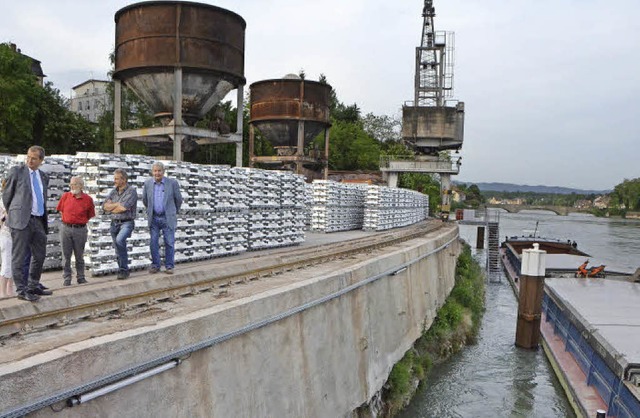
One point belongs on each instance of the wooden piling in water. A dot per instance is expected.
(480, 238)
(530, 297)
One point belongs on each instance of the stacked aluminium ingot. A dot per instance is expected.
(276, 209)
(390, 207)
(337, 206)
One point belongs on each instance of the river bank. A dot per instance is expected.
(456, 326)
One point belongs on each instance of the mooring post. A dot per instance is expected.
(480, 238)
(601, 413)
(530, 297)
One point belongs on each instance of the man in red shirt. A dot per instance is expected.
(76, 208)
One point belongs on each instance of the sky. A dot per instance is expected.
(550, 87)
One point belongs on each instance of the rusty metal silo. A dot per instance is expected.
(290, 112)
(181, 59)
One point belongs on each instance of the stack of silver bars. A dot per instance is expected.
(387, 208)
(226, 210)
(343, 207)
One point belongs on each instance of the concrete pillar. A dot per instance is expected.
(532, 274)
(239, 124)
(480, 238)
(177, 113)
(252, 145)
(326, 153)
(300, 147)
(445, 189)
(392, 179)
(117, 114)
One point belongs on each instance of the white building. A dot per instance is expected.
(90, 99)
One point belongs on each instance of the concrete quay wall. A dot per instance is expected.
(320, 345)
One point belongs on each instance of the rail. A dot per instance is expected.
(53, 316)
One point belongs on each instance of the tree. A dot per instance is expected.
(473, 196)
(351, 148)
(627, 194)
(31, 114)
(423, 183)
(59, 130)
(19, 97)
(383, 128)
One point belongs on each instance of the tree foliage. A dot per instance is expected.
(31, 114)
(627, 194)
(351, 148)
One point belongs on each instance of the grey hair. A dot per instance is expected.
(159, 165)
(78, 179)
(121, 172)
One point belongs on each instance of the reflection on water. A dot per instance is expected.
(494, 378)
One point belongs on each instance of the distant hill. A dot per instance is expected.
(509, 187)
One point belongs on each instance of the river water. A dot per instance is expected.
(493, 378)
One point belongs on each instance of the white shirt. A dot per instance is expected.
(34, 199)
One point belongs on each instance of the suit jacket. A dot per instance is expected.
(17, 197)
(172, 200)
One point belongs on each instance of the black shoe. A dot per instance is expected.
(67, 282)
(82, 281)
(123, 275)
(43, 287)
(38, 291)
(29, 297)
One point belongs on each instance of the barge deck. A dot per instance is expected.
(590, 329)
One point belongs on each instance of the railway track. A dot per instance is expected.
(218, 276)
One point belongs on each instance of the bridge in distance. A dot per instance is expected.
(558, 210)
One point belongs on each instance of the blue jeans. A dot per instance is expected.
(159, 223)
(120, 231)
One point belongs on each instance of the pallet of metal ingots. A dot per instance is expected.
(337, 206)
(387, 208)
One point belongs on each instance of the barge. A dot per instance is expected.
(589, 326)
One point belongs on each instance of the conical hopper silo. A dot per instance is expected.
(290, 112)
(172, 49)
(207, 42)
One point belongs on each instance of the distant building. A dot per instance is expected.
(516, 201)
(458, 196)
(36, 68)
(90, 99)
(495, 201)
(583, 204)
(602, 202)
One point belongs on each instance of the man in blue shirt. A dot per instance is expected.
(162, 198)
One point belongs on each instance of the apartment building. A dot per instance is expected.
(90, 99)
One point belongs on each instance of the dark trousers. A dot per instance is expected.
(34, 239)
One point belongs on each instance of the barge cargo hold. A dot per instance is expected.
(590, 331)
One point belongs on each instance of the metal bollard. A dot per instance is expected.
(600, 413)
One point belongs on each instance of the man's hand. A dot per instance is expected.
(114, 207)
(118, 208)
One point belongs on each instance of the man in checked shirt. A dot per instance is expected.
(121, 207)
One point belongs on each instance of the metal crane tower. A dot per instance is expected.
(429, 123)
(434, 62)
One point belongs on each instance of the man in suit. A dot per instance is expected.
(25, 197)
(161, 196)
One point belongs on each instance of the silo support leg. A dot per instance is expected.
(393, 179)
(238, 154)
(117, 114)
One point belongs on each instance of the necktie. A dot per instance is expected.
(38, 191)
